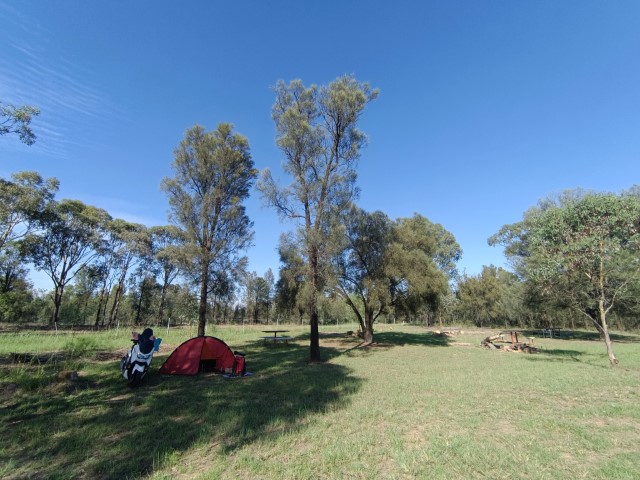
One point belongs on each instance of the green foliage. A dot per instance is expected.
(403, 265)
(290, 297)
(18, 120)
(582, 249)
(258, 295)
(168, 258)
(22, 201)
(79, 347)
(362, 268)
(490, 298)
(69, 237)
(419, 250)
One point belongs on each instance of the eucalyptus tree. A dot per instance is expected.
(250, 293)
(129, 245)
(22, 200)
(269, 283)
(318, 136)
(421, 264)
(168, 256)
(404, 265)
(143, 293)
(213, 174)
(486, 298)
(257, 295)
(105, 277)
(363, 267)
(69, 237)
(12, 268)
(290, 285)
(86, 289)
(16, 292)
(18, 120)
(223, 285)
(583, 247)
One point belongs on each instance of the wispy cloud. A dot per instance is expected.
(72, 104)
(122, 208)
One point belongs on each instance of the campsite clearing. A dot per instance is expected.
(414, 405)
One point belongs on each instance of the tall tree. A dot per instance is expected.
(290, 284)
(269, 285)
(18, 120)
(69, 238)
(482, 297)
(222, 286)
(16, 292)
(318, 136)
(257, 295)
(213, 174)
(403, 264)
(588, 244)
(166, 242)
(362, 267)
(129, 245)
(422, 259)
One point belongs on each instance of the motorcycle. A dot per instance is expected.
(135, 364)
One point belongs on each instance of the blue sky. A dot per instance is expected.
(484, 107)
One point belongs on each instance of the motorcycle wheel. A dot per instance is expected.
(136, 378)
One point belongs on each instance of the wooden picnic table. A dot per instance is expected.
(512, 333)
(275, 332)
(514, 336)
(277, 338)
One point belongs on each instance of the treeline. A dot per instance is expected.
(106, 272)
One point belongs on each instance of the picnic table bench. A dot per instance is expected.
(551, 331)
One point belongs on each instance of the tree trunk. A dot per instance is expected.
(116, 303)
(602, 313)
(367, 325)
(100, 300)
(163, 295)
(103, 315)
(256, 311)
(314, 340)
(138, 319)
(314, 345)
(57, 301)
(605, 331)
(202, 307)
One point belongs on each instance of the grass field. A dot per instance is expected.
(416, 405)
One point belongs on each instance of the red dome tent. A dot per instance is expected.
(200, 354)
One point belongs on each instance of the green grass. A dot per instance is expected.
(416, 405)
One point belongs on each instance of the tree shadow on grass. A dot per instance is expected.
(109, 430)
(595, 336)
(427, 339)
(345, 344)
(585, 335)
(564, 355)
